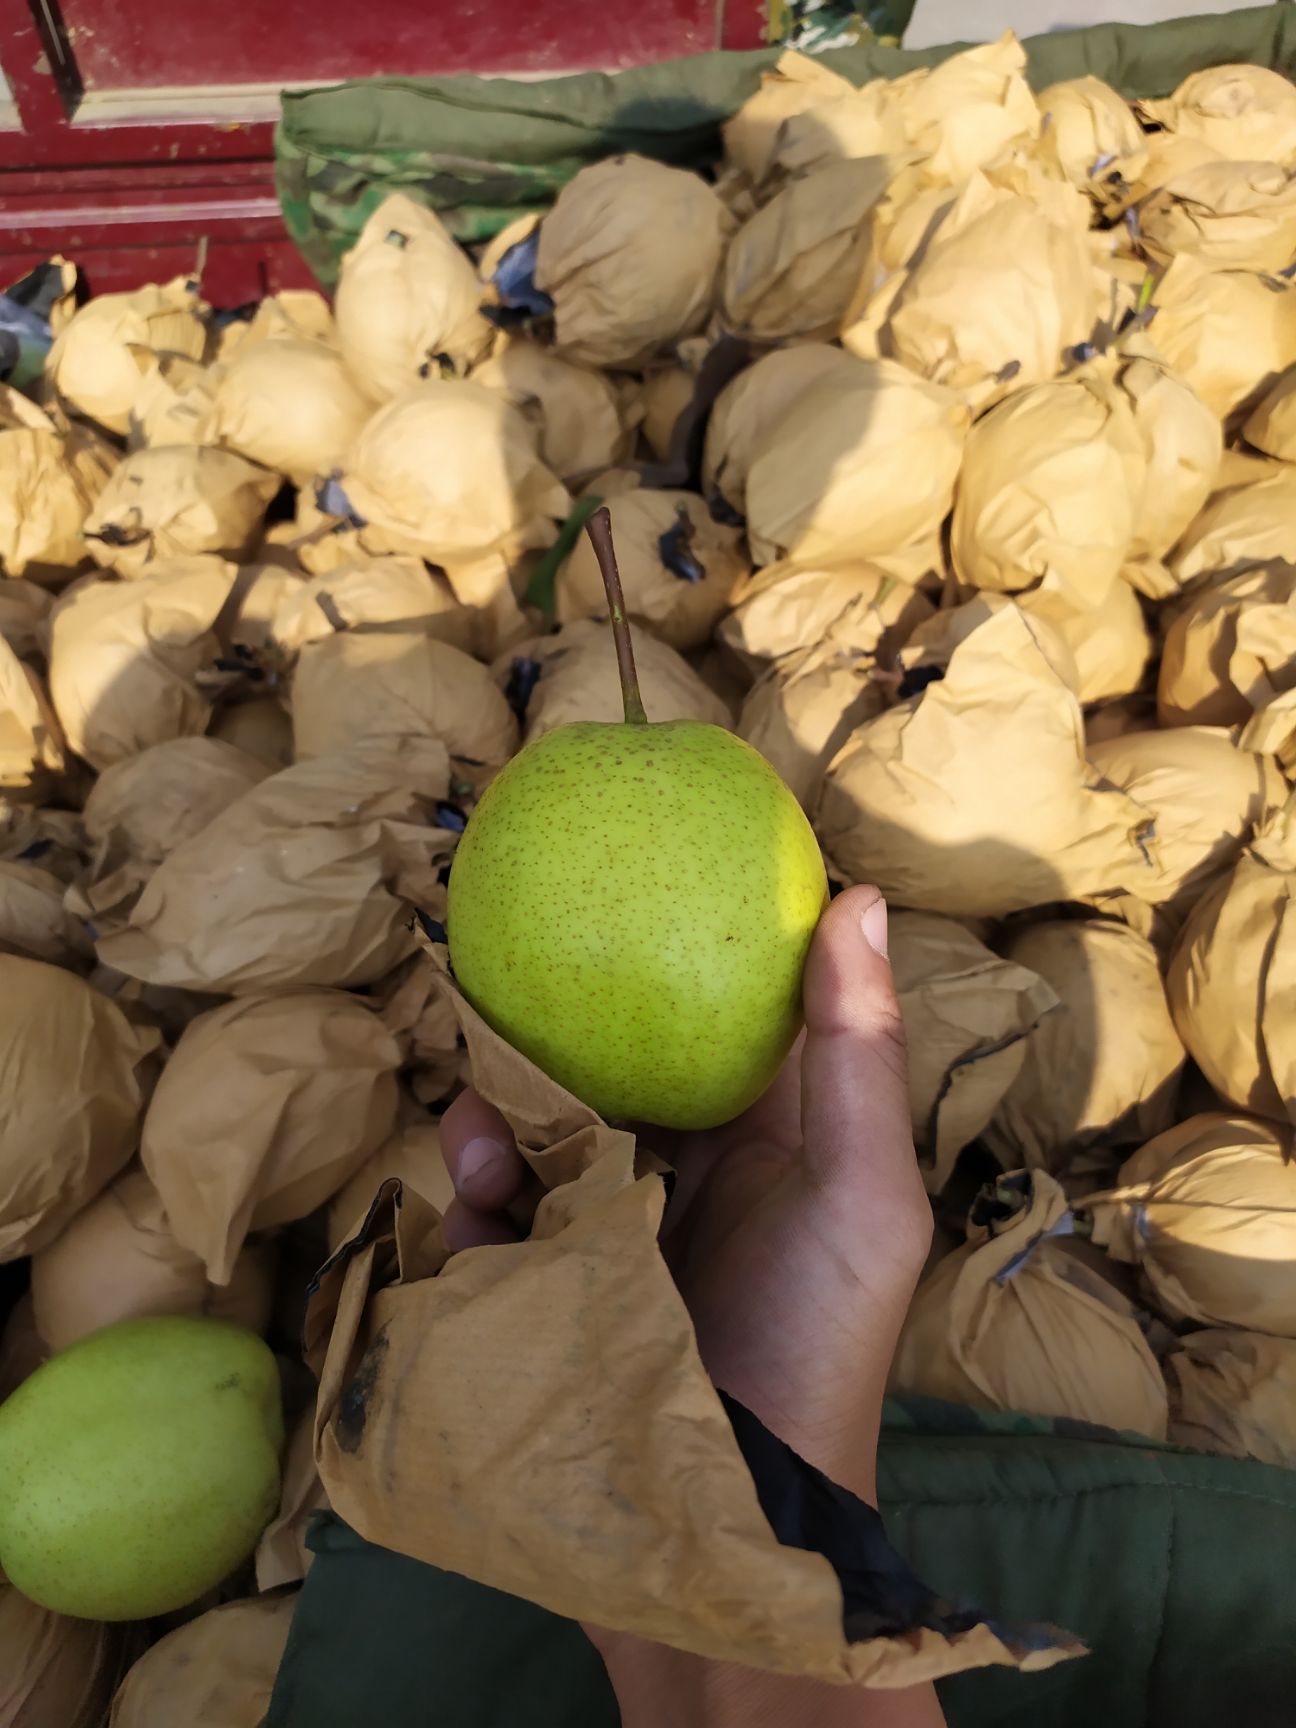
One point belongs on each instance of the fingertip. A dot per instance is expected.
(480, 1153)
(847, 969)
(467, 1227)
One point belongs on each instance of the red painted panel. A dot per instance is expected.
(125, 44)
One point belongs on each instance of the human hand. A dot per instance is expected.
(797, 1232)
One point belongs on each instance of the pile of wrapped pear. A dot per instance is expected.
(948, 435)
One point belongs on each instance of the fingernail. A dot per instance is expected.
(873, 922)
(478, 1155)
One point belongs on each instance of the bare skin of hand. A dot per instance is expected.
(796, 1234)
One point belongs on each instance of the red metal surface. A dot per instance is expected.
(142, 129)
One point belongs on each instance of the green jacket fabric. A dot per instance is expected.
(1175, 1568)
(484, 150)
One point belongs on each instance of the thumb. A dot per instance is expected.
(854, 1069)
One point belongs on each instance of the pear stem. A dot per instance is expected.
(599, 529)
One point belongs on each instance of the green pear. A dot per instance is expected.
(631, 905)
(139, 1466)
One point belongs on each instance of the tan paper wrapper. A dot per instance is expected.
(1240, 527)
(1207, 1212)
(358, 684)
(1271, 425)
(175, 501)
(301, 881)
(216, 1672)
(260, 728)
(1241, 215)
(803, 710)
(1244, 112)
(1086, 123)
(1016, 1321)
(24, 615)
(796, 84)
(969, 110)
(679, 613)
(35, 922)
(119, 1259)
(1182, 442)
(1103, 1070)
(72, 1123)
(1232, 975)
(861, 468)
(663, 396)
(413, 1156)
(125, 657)
(173, 404)
(416, 1012)
(1226, 333)
(450, 471)
(268, 1105)
(579, 680)
(49, 483)
(407, 294)
(101, 356)
(56, 1672)
(391, 593)
(785, 608)
(31, 740)
(1230, 651)
(620, 295)
(1108, 636)
(751, 406)
(975, 798)
(970, 1018)
(289, 405)
(139, 810)
(575, 412)
(1234, 1392)
(452, 1428)
(282, 1556)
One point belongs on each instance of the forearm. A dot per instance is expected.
(661, 1688)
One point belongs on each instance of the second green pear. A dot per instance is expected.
(630, 906)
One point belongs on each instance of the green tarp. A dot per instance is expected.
(483, 150)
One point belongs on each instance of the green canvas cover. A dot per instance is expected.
(1173, 1566)
(481, 151)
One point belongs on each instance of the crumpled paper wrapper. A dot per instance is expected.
(1107, 634)
(1017, 1320)
(302, 881)
(1231, 649)
(1050, 483)
(753, 405)
(508, 1447)
(969, 110)
(1226, 333)
(101, 356)
(664, 394)
(792, 268)
(34, 920)
(860, 468)
(267, 1106)
(260, 728)
(118, 1259)
(969, 1017)
(173, 404)
(80, 1074)
(407, 304)
(57, 1672)
(290, 405)
(573, 676)
(412, 1156)
(435, 1065)
(282, 1556)
(994, 302)
(218, 1671)
(804, 708)
(177, 500)
(388, 593)
(1234, 1392)
(1103, 1069)
(1271, 425)
(1240, 528)
(974, 797)
(31, 740)
(574, 411)
(622, 290)
(55, 837)
(1241, 215)
(679, 569)
(450, 471)
(1182, 443)
(139, 810)
(755, 136)
(1207, 1212)
(1233, 972)
(1205, 796)
(1090, 136)
(1247, 113)
(24, 613)
(785, 608)
(125, 657)
(50, 480)
(359, 684)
